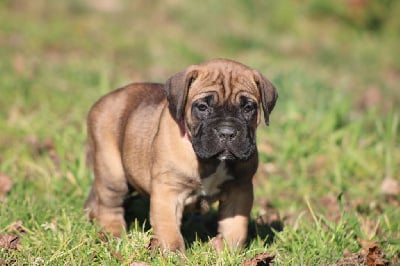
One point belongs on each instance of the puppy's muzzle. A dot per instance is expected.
(227, 135)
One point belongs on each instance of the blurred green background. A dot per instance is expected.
(335, 128)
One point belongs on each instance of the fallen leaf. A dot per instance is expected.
(370, 255)
(6, 185)
(375, 256)
(260, 260)
(17, 227)
(10, 242)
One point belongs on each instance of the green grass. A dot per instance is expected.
(328, 138)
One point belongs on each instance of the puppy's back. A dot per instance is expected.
(110, 113)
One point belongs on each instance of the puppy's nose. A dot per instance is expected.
(226, 133)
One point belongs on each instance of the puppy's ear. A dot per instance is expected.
(268, 93)
(176, 89)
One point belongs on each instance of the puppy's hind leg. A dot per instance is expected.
(105, 201)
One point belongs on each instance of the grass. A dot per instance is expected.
(334, 135)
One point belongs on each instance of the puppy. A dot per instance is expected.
(186, 143)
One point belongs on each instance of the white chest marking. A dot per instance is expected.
(210, 185)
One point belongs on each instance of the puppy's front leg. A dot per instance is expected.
(166, 207)
(234, 211)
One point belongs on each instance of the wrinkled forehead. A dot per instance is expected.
(224, 83)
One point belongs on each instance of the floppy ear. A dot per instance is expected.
(176, 89)
(268, 93)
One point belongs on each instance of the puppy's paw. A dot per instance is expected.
(177, 246)
(115, 227)
(218, 243)
(153, 244)
(111, 223)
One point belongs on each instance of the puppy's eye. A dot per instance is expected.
(202, 107)
(249, 107)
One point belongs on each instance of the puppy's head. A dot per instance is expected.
(219, 102)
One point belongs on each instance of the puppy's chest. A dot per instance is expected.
(210, 186)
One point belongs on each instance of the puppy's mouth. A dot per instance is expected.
(226, 155)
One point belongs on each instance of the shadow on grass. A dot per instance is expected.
(197, 227)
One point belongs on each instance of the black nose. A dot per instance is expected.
(226, 133)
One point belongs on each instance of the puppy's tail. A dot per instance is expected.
(89, 207)
(89, 154)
